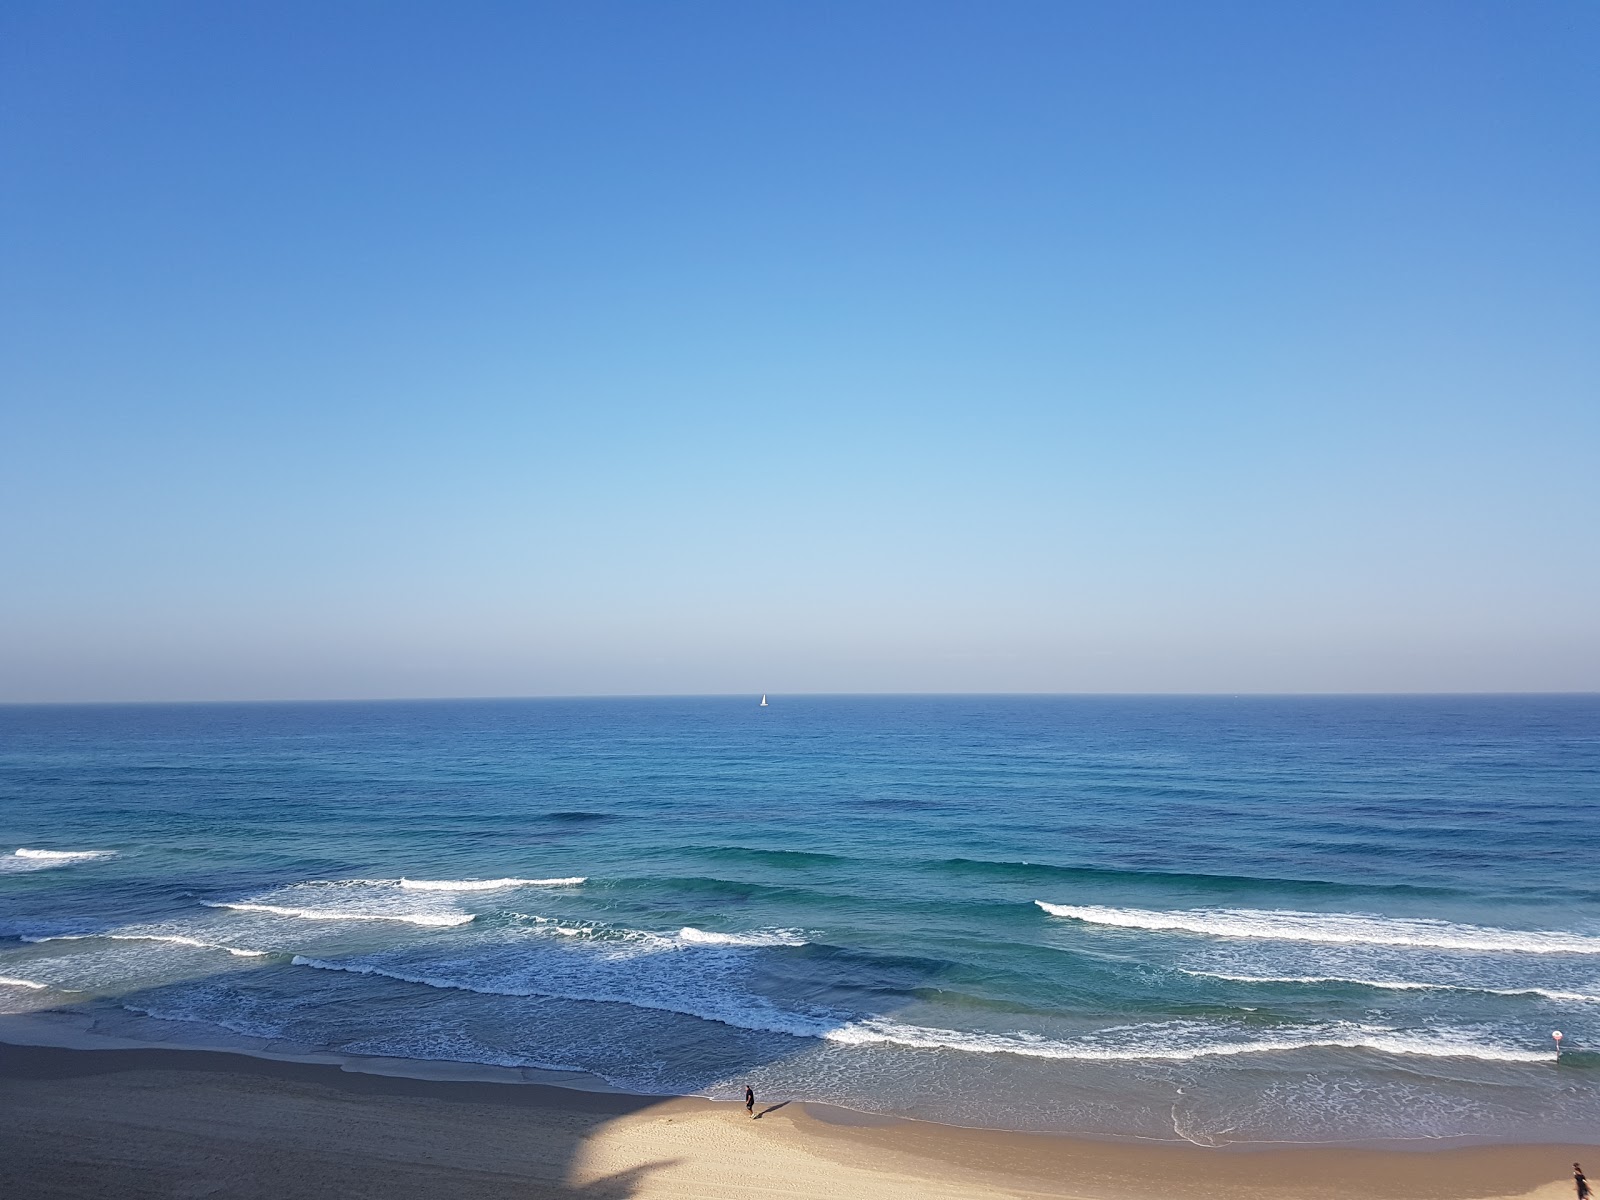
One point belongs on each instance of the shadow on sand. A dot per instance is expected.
(159, 1122)
(150, 1123)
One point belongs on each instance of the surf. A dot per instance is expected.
(25, 859)
(487, 885)
(1399, 985)
(1159, 1043)
(1344, 929)
(776, 937)
(170, 938)
(440, 920)
(13, 981)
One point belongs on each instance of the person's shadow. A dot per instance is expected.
(772, 1108)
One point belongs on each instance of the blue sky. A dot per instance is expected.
(512, 349)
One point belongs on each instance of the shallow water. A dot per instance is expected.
(1256, 919)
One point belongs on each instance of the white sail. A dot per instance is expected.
(763, 700)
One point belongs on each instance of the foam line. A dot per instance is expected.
(330, 914)
(1348, 1037)
(1356, 929)
(1399, 985)
(175, 939)
(775, 937)
(23, 860)
(487, 885)
(1152, 1043)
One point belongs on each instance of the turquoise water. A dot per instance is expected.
(1227, 920)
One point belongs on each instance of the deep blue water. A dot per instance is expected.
(1225, 919)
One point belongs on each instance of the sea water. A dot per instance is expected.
(1228, 920)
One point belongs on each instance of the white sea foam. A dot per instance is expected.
(333, 914)
(709, 1000)
(1170, 1042)
(1399, 985)
(1149, 1044)
(359, 900)
(24, 859)
(12, 981)
(174, 939)
(612, 941)
(621, 938)
(486, 885)
(1331, 928)
(771, 937)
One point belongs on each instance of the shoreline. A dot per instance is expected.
(115, 1121)
(57, 1030)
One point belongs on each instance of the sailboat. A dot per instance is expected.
(763, 700)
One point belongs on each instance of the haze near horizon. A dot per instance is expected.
(363, 350)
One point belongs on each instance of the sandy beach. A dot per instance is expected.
(162, 1123)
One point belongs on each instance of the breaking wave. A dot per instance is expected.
(1354, 929)
(24, 859)
(620, 936)
(1169, 1042)
(486, 885)
(173, 938)
(1399, 985)
(333, 914)
(1149, 1045)
(774, 937)
(426, 902)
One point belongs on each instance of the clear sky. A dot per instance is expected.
(432, 349)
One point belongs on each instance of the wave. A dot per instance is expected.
(331, 914)
(176, 939)
(687, 936)
(1046, 873)
(355, 968)
(411, 902)
(1333, 1037)
(485, 885)
(1163, 1043)
(615, 936)
(24, 859)
(771, 858)
(774, 937)
(1399, 985)
(1331, 928)
(713, 888)
(12, 981)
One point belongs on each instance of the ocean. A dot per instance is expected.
(1228, 920)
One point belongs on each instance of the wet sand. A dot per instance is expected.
(133, 1124)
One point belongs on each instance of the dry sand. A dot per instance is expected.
(132, 1124)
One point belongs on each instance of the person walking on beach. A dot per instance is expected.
(1582, 1183)
(750, 1107)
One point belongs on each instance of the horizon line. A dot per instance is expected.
(516, 698)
